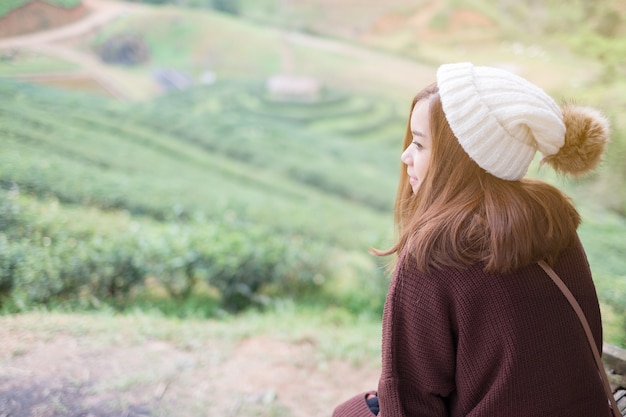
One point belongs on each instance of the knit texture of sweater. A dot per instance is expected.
(466, 343)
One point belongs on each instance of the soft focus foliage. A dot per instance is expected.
(46, 259)
(105, 202)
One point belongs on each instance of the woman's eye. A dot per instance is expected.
(418, 145)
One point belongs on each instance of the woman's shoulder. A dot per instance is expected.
(473, 277)
(438, 278)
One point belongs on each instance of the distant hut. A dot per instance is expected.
(293, 88)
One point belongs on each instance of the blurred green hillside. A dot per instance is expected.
(221, 195)
(225, 160)
(436, 30)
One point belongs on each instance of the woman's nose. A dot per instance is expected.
(406, 156)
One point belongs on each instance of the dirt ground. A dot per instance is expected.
(50, 370)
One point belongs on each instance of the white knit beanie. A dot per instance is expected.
(499, 118)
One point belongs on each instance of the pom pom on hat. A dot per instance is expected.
(501, 120)
(586, 138)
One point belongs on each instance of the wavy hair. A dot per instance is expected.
(462, 215)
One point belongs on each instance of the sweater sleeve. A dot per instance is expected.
(355, 407)
(418, 346)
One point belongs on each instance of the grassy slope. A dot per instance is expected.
(154, 158)
(198, 41)
(210, 155)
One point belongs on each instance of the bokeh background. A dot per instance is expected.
(227, 164)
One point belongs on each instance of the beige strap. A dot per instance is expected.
(581, 316)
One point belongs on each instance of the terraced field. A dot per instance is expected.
(202, 149)
(228, 153)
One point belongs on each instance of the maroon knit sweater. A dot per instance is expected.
(462, 342)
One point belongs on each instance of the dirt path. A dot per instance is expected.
(100, 13)
(76, 365)
(55, 43)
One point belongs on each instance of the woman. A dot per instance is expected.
(472, 325)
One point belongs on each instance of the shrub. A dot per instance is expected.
(127, 49)
(50, 260)
(9, 260)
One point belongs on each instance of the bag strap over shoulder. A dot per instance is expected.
(583, 321)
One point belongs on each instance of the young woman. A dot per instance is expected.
(472, 325)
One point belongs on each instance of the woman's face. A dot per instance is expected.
(417, 155)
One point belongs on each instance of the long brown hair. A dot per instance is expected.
(462, 215)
